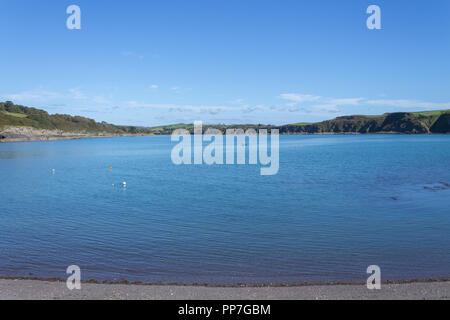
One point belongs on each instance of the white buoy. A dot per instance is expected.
(124, 184)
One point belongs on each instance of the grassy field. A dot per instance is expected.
(431, 113)
(17, 115)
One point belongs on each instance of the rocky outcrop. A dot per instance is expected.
(442, 124)
(13, 134)
(403, 123)
(399, 122)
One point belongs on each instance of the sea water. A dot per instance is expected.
(337, 205)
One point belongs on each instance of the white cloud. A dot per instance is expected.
(304, 98)
(211, 109)
(296, 97)
(332, 108)
(179, 108)
(404, 103)
(42, 96)
(313, 103)
(250, 109)
(347, 101)
(330, 104)
(198, 109)
(294, 109)
(35, 95)
(154, 86)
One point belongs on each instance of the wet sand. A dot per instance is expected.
(47, 290)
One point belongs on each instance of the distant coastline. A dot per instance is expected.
(45, 135)
(19, 123)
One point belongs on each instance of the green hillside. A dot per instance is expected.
(20, 116)
(426, 122)
(400, 122)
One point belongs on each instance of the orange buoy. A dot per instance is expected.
(110, 168)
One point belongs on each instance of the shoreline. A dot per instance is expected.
(236, 285)
(67, 138)
(28, 134)
(57, 290)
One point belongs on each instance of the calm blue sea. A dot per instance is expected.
(337, 205)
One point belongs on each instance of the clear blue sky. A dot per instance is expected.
(225, 61)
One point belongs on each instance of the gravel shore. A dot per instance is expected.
(45, 290)
(20, 134)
